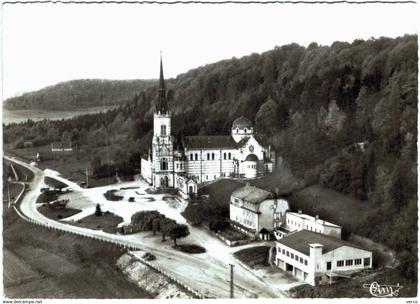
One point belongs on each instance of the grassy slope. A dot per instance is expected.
(40, 263)
(70, 165)
(254, 257)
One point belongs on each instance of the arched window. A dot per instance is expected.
(230, 156)
(163, 130)
(212, 156)
(196, 156)
(163, 164)
(191, 156)
(208, 156)
(224, 155)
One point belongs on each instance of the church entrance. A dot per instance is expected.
(164, 182)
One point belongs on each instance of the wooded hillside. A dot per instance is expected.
(78, 94)
(343, 115)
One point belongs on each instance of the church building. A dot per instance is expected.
(202, 158)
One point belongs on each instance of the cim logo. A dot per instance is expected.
(383, 291)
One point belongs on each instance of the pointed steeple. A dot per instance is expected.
(162, 104)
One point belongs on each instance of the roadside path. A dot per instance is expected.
(207, 273)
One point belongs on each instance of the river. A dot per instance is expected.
(17, 116)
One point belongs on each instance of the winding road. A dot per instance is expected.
(208, 273)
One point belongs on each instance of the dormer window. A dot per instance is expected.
(246, 130)
(237, 130)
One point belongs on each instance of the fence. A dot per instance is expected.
(117, 243)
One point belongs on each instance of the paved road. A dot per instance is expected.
(207, 273)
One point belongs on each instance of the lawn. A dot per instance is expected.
(107, 222)
(111, 196)
(254, 257)
(71, 165)
(56, 213)
(220, 191)
(14, 190)
(24, 174)
(46, 197)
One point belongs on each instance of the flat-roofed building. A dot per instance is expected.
(308, 255)
(296, 221)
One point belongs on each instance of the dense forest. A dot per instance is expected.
(344, 116)
(78, 94)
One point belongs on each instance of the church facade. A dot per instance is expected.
(242, 154)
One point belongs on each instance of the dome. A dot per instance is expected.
(251, 157)
(242, 123)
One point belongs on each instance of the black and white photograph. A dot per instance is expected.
(209, 150)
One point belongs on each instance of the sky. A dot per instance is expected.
(43, 44)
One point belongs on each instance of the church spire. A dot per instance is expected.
(162, 104)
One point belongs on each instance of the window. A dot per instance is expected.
(301, 260)
(292, 255)
(282, 251)
(224, 155)
(229, 155)
(196, 156)
(245, 130)
(208, 156)
(163, 130)
(340, 263)
(212, 156)
(296, 258)
(191, 157)
(306, 227)
(163, 164)
(306, 262)
(366, 262)
(349, 262)
(287, 253)
(207, 177)
(357, 261)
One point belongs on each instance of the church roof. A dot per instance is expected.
(252, 194)
(243, 141)
(209, 142)
(241, 123)
(162, 103)
(301, 240)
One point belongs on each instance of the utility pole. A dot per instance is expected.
(8, 192)
(87, 178)
(231, 280)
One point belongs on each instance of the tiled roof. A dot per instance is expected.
(252, 194)
(300, 241)
(209, 142)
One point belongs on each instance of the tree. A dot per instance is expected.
(166, 226)
(98, 211)
(156, 225)
(178, 231)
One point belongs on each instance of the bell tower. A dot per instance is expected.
(162, 144)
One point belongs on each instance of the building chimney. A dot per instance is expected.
(316, 217)
(300, 211)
